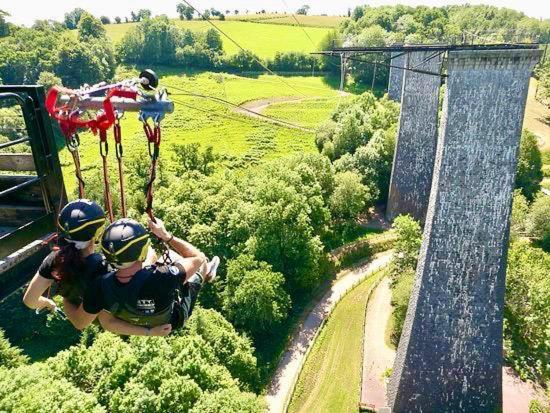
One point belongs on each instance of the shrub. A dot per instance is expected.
(407, 245)
(538, 220)
(10, 356)
(529, 168)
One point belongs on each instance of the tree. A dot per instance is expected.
(117, 20)
(520, 210)
(538, 220)
(10, 356)
(236, 12)
(349, 197)
(529, 169)
(213, 40)
(184, 11)
(189, 158)
(144, 14)
(90, 27)
(105, 20)
(206, 14)
(331, 40)
(358, 12)
(407, 245)
(73, 17)
(222, 16)
(4, 25)
(255, 298)
(49, 79)
(303, 10)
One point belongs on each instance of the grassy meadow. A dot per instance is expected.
(263, 39)
(287, 19)
(323, 385)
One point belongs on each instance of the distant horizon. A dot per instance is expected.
(22, 13)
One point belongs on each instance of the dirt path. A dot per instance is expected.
(378, 357)
(286, 375)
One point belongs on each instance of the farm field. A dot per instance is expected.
(287, 19)
(323, 385)
(263, 39)
(239, 139)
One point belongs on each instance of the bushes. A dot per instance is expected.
(527, 313)
(206, 362)
(10, 356)
(529, 168)
(538, 220)
(294, 62)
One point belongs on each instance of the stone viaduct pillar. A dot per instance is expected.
(395, 83)
(414, 156)
(450, 354)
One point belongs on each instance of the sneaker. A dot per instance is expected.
(212, 269)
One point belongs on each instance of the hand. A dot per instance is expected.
(161, 331)
(48, 304)
(158, 229)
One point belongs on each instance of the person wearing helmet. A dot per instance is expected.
(73, 264)
(146, 296)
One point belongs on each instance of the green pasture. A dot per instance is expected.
(307, 112)
(239, 139)
(263, 39)
(331, 376)
(287, 19)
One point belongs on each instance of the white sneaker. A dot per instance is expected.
(212, 268)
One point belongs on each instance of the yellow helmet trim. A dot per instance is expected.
(87, 224)
(124, 248)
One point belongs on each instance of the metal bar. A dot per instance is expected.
(129, 105)
(11, 95)
(20, 186)
(428, 47)
(15, 142)
(425, 72)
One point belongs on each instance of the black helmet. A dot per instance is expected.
(81, 220)
(125, 241)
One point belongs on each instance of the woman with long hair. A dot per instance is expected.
(74, 264)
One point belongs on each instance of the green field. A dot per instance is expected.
(331, 377)
(263, 39)
(308, 21)
(307, 112)
(241, 140)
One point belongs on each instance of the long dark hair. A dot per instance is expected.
(68, 263)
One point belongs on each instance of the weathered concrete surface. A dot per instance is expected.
(395, 82)
(414, 156)
(450, 354)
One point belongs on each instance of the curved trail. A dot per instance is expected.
(286, 374)
(378, 357)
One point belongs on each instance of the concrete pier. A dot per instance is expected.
(414, 156)
(395, 83)
(450, 354)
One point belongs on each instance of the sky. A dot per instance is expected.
(27, 11)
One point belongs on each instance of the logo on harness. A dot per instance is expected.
(147, 306)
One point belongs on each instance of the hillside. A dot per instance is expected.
(263, 39)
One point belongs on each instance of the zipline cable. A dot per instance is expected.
(242, 48)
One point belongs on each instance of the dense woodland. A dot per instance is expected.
(274, 224)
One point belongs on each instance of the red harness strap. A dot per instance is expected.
(153, 138)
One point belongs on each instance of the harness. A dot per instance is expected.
(123, 302)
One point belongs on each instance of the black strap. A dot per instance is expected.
(115, 298)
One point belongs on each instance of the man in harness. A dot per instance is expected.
(146, 296)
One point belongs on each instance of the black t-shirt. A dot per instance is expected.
(157, 286)
(73, 290)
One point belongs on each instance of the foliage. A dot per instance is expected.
(518, 220)
(538, 220)
(254, 298)
(90, 27)
(401, 292)
(153, 41)
(229, 400)
(72, 18)
(527, 313)
(331, 40)
(49, 79)
(188, 158)
(10, 356)
(32, 388)
(529, 168)
(303, 10)
(350, 196)
(407, 245)
(184, 11)
(293, 62)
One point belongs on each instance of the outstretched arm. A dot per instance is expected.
(192, 259)
(117, 326)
